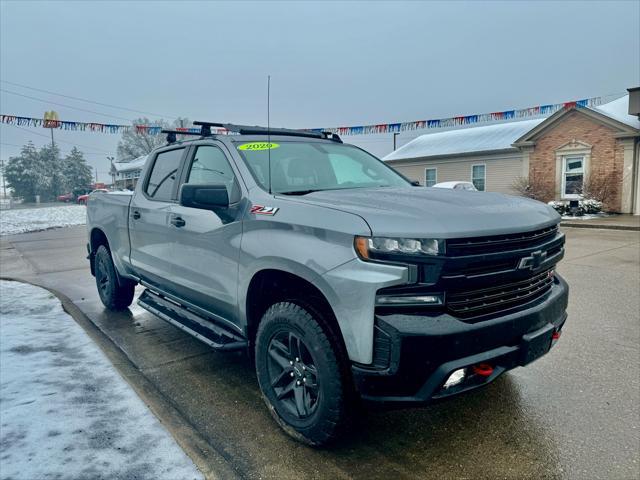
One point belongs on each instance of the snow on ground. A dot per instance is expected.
(586, 216)
(23, 220)
(64, 410)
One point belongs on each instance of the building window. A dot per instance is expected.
(572, 176)
(430, 177)
(478, 176)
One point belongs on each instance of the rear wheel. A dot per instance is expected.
(115, 293)
(299, 373)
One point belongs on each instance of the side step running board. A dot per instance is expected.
(203, 329)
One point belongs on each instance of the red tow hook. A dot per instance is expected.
(556, 335)
(483, 369)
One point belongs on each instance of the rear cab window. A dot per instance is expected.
(164, 172)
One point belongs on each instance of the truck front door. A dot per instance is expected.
(207, 242)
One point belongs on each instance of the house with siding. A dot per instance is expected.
(126, 174)
(559, 153)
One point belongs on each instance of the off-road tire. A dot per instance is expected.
(115, 293)
(331, 416)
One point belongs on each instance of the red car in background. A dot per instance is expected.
(67, 197)
(82, 199)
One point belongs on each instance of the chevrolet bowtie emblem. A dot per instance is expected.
(533, 261)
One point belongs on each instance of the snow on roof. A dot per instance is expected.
(465, 140)
(619, 110)
(135, 164)
(494, 137)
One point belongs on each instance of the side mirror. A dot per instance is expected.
(415, 183)
(206, 197)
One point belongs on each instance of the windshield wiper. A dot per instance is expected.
(298, 192)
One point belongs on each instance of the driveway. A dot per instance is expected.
(573, 414)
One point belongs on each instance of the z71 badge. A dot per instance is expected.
(262, 210)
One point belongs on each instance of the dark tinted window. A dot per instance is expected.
(163, 176)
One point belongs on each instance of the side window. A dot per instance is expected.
(478, 177)
(430, 177)
(163, 175)
(210, 165)
(573, 177)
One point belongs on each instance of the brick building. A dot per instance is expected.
(573, 150)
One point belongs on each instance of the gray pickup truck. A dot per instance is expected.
(342, 280)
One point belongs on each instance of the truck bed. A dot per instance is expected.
(109, 212)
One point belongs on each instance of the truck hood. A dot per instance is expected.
(435, 212)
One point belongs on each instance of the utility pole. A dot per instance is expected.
(112, 171)
(395, 134)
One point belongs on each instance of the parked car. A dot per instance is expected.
(339, 277)
(82, 199)
(66, 197)
(457, 186)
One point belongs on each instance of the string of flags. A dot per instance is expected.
(89, 126)
(537, 111)
(540, 110)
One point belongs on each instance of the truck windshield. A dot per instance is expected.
(298, 168)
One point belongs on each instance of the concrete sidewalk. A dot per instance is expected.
(612, 222)
(66, 412)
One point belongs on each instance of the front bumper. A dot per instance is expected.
(415, 354)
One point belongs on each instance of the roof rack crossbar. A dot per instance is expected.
(205, 131)
(257, 130)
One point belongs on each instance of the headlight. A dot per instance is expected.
(409, 246)
(408, 300)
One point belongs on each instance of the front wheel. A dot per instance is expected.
(299, 374)
(115, 293)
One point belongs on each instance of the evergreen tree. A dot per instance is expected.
(52, 164)
(76, 171)
(27, 175)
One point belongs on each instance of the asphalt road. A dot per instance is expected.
(575, 413)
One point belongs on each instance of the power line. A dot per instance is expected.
(63, 105)
(86, 100)
(47, 136)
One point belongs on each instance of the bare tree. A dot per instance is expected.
(136, 144)
(532, 188)
(598, 186)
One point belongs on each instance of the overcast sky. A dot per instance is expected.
(331, 63)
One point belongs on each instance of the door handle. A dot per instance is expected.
(135, 215)
(178, 222)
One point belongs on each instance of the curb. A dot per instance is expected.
(212, 463)
(632, 228)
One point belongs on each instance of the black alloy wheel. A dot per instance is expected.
(303, 373)
(115, 293)
(294, 377)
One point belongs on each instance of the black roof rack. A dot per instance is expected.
(172, 134)
(256, 130)
(205, 131)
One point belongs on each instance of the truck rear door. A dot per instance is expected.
(151, 237)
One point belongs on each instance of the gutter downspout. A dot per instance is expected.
(635, 189)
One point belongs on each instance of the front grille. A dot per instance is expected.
(473, 303)
(499, 243)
